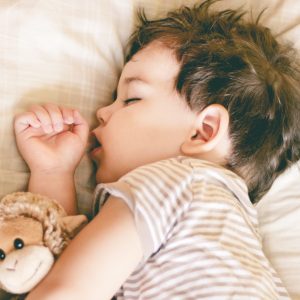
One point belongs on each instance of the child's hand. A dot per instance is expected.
(51, 138)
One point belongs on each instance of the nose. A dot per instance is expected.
(103, 114)
(11, 265)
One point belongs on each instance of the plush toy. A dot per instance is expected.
(34, 230)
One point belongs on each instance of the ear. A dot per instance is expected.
(210, 129)
(73, 224)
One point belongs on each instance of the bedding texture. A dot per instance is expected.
(71, 52)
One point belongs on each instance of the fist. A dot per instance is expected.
(51, 138)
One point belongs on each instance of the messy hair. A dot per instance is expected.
(240, 65)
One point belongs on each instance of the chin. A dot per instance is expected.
(103, 176)
(99, 177)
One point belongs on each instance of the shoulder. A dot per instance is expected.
(180, 167)
(172, 170)
(181, 173)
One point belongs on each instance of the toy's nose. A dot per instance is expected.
(11, 265)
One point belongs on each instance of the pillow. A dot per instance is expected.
(69, 52)
(279, 215)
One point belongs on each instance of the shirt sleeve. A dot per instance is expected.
(158, 195)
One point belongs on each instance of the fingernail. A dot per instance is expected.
(58, 127)
(36, 125)
(69, 120)
(48, 128)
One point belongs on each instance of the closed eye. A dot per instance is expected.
(131, 100)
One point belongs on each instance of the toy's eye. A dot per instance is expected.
(18, 243)
(2, 254)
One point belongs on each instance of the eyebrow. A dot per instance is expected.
(128, 80)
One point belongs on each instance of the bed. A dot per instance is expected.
(71, 52)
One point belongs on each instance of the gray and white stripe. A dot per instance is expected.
(199, 233)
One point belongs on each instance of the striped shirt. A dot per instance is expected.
(199, 233)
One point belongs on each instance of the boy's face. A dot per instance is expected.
(149, 127)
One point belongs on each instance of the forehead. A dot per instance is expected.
(155, 62)
(25, 228)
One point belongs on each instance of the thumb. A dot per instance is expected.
(80, 127)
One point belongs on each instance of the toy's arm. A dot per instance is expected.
(98, 260)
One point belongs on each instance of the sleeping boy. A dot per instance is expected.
(206, 117)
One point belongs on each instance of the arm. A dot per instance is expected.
(58, 186)
(52, 140)
(98, 260)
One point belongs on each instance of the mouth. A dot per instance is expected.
(95, 145)
(35, 271)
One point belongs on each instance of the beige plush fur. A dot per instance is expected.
(34, 230)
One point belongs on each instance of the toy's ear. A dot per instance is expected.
(208, 133)
(73, 224)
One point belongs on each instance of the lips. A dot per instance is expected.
(95, 145)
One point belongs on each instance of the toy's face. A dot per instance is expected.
(24, 260)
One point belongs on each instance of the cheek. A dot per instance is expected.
(115, 156)
(142, 134)
(138, 139)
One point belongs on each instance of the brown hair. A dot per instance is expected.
(240, 65)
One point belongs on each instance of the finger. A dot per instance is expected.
(24, 120)
(81, 127)
(56, 116)
(67, 115)
(44, 117)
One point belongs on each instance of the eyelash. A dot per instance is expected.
(128, 101)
